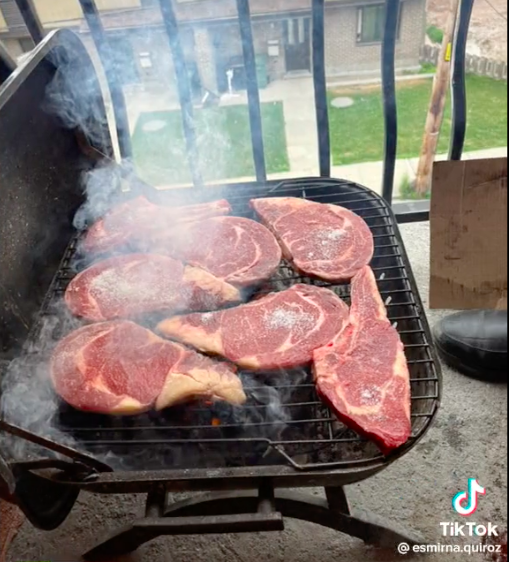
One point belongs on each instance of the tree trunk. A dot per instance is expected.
(437, 105)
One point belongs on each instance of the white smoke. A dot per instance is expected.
(28, 398)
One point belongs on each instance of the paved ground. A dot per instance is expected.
(301, 133)
(469, 440)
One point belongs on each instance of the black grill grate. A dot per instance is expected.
(284, 420)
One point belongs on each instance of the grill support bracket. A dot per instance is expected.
(250, 511)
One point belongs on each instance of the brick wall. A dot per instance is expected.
(264, 32)
(225, 38)
(205, 59)
(155, 43)
(344, 55)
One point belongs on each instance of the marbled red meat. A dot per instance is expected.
(324, 241)
(278, 331)
(139, 284)
(363, 376)
(123, 369)
(140, 223)
(238, 250)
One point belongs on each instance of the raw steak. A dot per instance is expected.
(140, 221)
(123, 369)
(239, 251)
(364, 375)
(137, 284)
(278, 331)
(324, 241)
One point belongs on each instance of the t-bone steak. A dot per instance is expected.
(324, 241)
(134, 285)
(364, 375)
(240, 251)
(138, 221)
(278, 331)
(120, 368)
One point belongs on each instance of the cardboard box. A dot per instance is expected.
(468, 225)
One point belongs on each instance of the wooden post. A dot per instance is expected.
(437, 105)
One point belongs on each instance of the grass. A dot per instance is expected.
(224, 144)
(357, 132)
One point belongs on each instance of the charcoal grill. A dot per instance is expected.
(247, 461)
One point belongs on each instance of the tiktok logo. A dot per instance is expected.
(466, 503)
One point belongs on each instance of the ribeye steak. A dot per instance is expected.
(139, 284)
(324, 241)
(123, 369)
(138, 221)
(240, 251)
(364, 375)
(278, 331)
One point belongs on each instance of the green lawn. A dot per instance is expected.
(224, 144)
(357, 132)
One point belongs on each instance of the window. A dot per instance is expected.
(371, 23)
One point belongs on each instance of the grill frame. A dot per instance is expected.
(286, 474)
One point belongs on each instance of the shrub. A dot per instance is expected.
(435, 34)
(407, 190)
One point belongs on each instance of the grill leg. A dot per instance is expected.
(336, 497)
(251, 511)
(130, 538)
(230, 514)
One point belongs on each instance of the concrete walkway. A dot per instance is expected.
(297, 95)
(370, 174)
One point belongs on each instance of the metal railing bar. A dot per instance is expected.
(392, 9)
(413, 211)
(253, 92)
(93, 18)
(320, 86)
(31, 19)
(184, 89)
(459, 92)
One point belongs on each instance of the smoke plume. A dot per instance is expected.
(28, 398)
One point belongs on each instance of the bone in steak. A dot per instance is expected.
(363, 376)
(238, 250)
(140, 220)
(121, 368)
(138, 284)
(324, 241)
(278, 331)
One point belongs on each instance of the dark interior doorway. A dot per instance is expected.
(297, 39)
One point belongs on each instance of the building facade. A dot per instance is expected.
(282, 32)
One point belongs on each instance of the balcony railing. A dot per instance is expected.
(388, 55)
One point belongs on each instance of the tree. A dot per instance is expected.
(437, 105)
